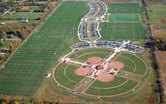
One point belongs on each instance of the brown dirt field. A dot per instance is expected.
(105, 77)
(116, 65)
(94, 60)
(25, 8)
(10, 21)
(161, 57)
(159, 33)
(82, 71)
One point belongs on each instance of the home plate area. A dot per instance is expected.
(98, 76)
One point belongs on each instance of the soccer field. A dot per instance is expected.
(25, 71)
(124, 8)
(124, 17)
(117, 31)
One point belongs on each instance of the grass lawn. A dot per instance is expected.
(25, 71)
(124, 85)
(84, 55)
(66, 76)
(156, 12)
(124, 17)
(131, 62)
(116, 31)
(124, 8)
(29, 15)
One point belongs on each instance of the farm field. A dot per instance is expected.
(25, 71)
(156, 12)
(124, 8)
(117, 31)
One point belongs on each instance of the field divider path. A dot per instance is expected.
(117, 56)
(78, 84)
(87, 86)
(125, 77)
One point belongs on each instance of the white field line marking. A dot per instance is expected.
(88, 53)
(111, 87)
(131, 61)
(67, 76)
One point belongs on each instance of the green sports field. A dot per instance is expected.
(65, 75)
(117, 86)
(124, 17)
(116, 31)
(84, 55)
(132, 63)
(124, 8)
(156, 12)
(25, 71)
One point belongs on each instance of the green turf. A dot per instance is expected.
(156, 12)
(124, 17)
(124, 8)
(117, 90)
(28, 15)
(132, 63)
(130, 75)
(116, 31)
(84, 55)
(66, 76)
(25, 71)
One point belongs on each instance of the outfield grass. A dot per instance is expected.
(156, 12)
(129, 84)
(131, 62)
(25, 71)
(116, 31)
(84, 55)
(67, 77)
(124, 8)
(124, 17)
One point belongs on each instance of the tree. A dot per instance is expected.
(1, 43)
(49, 4)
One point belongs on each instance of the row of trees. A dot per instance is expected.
(159, 43)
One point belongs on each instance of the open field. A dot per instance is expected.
(124, 17)
(161, 58)
(116, 31)
(157, 12)
(28, 15)
(124, 8)
(25, 71)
